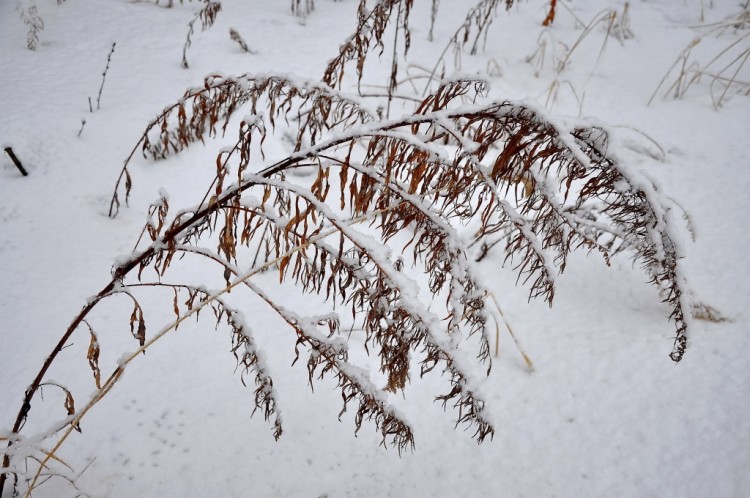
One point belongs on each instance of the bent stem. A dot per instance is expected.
(123, 364)
(119, 273)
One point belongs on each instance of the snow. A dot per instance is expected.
(604, 412)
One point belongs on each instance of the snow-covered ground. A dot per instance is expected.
(604, 411)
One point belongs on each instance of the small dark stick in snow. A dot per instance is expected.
(9, 151)
(83, 123)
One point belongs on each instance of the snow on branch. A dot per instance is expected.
(376, 236)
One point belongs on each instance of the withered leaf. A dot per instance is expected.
(282, 266)
(93, 357)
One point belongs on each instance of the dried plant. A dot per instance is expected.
(405, 183)
(369, 36)
(302, 8)
(558, 55)
(30, 17)
(394, 207)
(237, 38)
(204, 111)
(726, 69)
(433, 17)
(475, 25)
(621, 27)
(104, 78)
(207, 16)
(370, 33)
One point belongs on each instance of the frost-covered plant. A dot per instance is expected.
(380, 237)
(406, 183)
(236, 37)
(29, 15)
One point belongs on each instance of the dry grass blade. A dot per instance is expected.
(739, 63)
(526, 359)
(724, 68)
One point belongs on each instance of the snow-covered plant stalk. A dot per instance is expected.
(29, 15)
(33, 21)
(235, 36)
(376, 237)
(414, 181)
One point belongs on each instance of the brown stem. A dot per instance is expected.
(119, 273)
(104, 77)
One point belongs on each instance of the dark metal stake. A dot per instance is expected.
(15, 160)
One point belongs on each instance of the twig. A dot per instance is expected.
(15, 160)
(236, 37)
(104, 75)
(83, 123)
